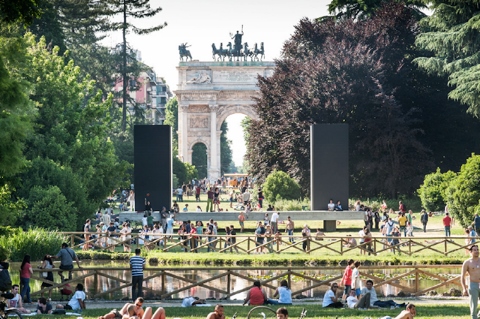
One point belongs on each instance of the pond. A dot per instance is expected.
(107, 281)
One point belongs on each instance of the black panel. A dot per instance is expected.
(153, 166)
(329, 165)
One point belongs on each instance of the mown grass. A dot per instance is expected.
(314, 310)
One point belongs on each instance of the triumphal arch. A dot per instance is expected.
(209, 92)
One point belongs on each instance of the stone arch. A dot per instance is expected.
(203, 106)
(225, 112)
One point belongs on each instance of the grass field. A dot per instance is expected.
(314, 310)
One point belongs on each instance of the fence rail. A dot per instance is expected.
(111, 280)
(247, 244)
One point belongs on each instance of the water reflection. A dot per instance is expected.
(95, 284)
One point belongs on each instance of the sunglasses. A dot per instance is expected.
(138, 304)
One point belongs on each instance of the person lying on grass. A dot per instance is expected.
(135, 311)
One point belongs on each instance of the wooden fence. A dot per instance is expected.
(246, 244)
(402, 278)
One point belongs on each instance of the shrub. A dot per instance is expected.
(432, 191)
(278, 185)
(463, 194)
(48, 208)
(34, 242)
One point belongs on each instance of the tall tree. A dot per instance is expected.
(361, 9)
(451, 36)
(70, 147)
(335, 72)
(23, 11)
(130, 9)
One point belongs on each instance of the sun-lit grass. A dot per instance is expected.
(314, 310)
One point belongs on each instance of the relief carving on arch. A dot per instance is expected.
(198, 97)
(199, 121)
(199, 109)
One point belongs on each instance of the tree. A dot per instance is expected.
(199, 159)
(432, 192)
(336, 72)
(49, 209)
(463, 193)
(451, 36)
(278, 185)
(171, 118)
(130, 9)
(361, 9)
(16, 110)
(71, 131)
(23, 11)
(225, 150)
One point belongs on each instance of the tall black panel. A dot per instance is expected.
(153, 166)
(329, 165)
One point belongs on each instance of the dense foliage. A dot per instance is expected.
(432, 192)
(35, 242)
(336, 72)
(463, 193)
(451, 35)
(278, 185)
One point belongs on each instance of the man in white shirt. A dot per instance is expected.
(354, 303)
(374, 302)
(330, 299)
(274, 222)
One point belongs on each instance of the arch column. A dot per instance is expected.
(214, 167)
(183, 153)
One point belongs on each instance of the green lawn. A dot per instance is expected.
(314, 310)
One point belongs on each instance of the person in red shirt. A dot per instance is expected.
(256, 295)
(446, 223)
(347, 279)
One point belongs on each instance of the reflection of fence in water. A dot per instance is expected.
(234, 282)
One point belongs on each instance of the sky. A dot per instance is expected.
(203, 22)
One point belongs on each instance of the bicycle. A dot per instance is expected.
(6, 313)
(272, 313)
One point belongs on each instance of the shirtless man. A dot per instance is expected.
(408, 313)
(472, 267)
(217, 313)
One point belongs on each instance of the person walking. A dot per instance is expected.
(290, 226)
(137, 265)
(447, 221)
(26, 272)
(424, 220)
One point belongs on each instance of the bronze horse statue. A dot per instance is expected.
(221, 52)
(182, 49)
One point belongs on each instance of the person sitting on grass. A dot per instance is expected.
(374, 302)
(330, 299)
(43, 306)
(284, 295)
(256, 296)
(409, 313)
(354, 303)
(16, 301)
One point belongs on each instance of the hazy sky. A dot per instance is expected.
(203, 22)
